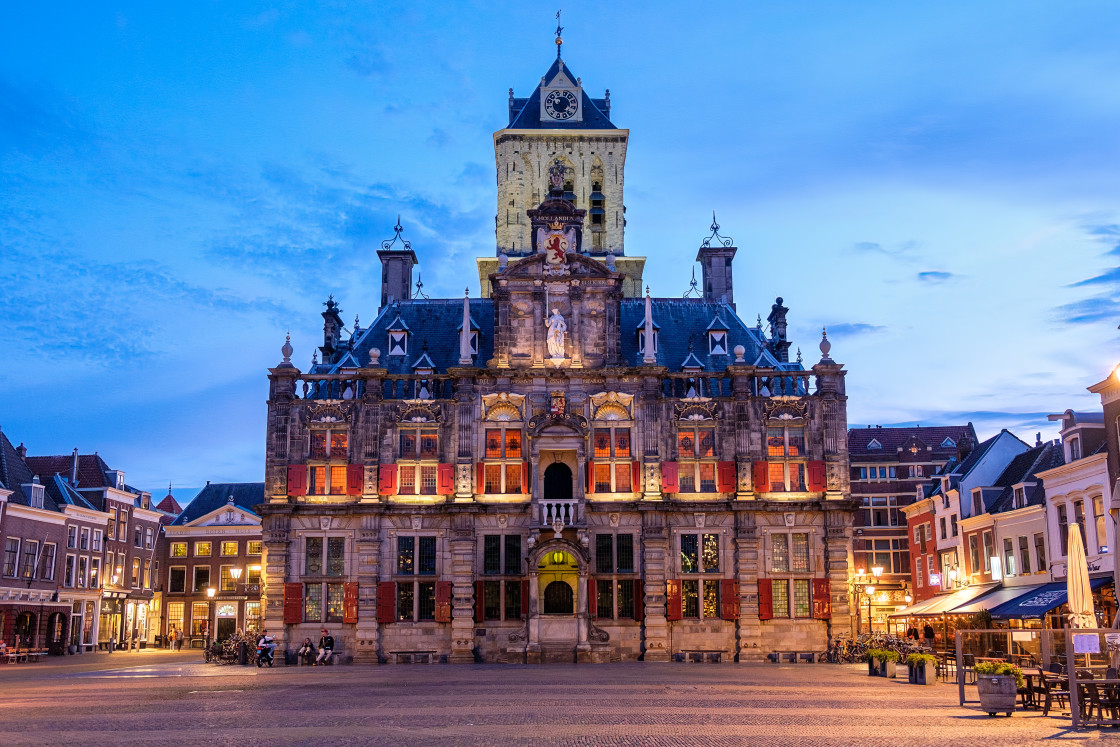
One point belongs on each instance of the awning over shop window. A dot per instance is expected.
(1035, 603)
(994, 598)
(943, 603)
(914, 609)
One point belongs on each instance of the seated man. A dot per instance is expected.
(326, 648)
(306, 652)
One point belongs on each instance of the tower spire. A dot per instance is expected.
(559, 31)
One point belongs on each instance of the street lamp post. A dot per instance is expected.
(210, 592)
(868, 591)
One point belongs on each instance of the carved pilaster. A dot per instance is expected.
(368, 574)
(748, 561)
(462, 542)
(655, 561)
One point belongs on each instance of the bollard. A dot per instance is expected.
(242, 653)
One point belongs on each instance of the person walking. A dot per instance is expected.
(326, 648)
(927, 634)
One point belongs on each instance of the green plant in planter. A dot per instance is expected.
(917, 660)
(882, 654)
(1001, 668)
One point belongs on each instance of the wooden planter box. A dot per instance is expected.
(997, 693)
(924, 674)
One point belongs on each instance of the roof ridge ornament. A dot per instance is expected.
(721, 240)
(692, 287)
(420, 286)
(388, 243)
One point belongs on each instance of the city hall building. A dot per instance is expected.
(564, 468)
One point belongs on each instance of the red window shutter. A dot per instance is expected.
(387, 479)
(386, 602)
(350, 602)
(822, 599)
(525, 487)
(445, 479)
(293, 604)
(765, 599)
(297, 479)
(673, 608)
(725, 477)
(636, 477)
(479, 601)
(590, 477)
(480, 485)
(761, 478)
(639, 599)
(355, 477)
(670, 478)
(817, 482)
(592, 598)
(443, 601)
(524, 597)
(729, 598)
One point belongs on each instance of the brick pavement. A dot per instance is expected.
(156, 698)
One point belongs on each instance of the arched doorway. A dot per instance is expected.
(558, 482)
(557, 580)
(25, 629)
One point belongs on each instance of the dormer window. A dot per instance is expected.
(398, 343)
(948, 443)
(642, 341)
(34, 492)
(1074, 449)
(1019, 497)
(977, 502)
(874, 445)
(717, 343)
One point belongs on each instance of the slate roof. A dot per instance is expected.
(892, 439)
(246, 496)
(14, 471)
(525, 114)
(1023, 468)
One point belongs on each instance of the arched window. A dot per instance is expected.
(558, 598)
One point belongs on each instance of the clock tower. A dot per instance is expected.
(559, 121)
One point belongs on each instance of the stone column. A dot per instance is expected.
(462, 542)
(368, 574)
(655, 564)
(748, 562)
(575, 298)
(275, 526)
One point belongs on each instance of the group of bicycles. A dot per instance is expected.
(843, 649)
(226, 651)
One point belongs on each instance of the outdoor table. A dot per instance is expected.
(1030, 701)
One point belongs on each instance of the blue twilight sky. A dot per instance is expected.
(935, 182)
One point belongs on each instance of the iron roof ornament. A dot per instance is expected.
(692, 287)
(720, 240)
(388, 243)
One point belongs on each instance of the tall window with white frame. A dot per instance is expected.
(324, 569)
(416, 582)
(696, 457)
(327, 463)
(502, 587)
(700, 575)
(502, 472)
(616, 582)
(612, 456)
(418, 459)
(785, 453)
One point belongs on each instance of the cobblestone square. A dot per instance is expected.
(158, 698)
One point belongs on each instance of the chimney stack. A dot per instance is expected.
(21, 450)
(74, 469)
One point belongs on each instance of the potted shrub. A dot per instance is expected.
(997, 683)
(923, 669)
(881, 662)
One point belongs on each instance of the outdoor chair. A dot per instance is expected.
(1051, 688)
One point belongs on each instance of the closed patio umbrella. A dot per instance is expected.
(1080, 596)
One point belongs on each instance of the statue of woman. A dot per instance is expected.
(556, 329)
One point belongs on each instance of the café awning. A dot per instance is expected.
(945, 603)
(993, 599)
(1036, 602)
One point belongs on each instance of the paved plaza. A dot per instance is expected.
(157, 698)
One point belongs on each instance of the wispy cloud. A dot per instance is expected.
(900, 250)
(935, 276)
(856, 328)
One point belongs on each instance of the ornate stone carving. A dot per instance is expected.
(557, 329)
(612, 406)
(697, 410)
(417, 412)
(652, 477)
(744, 477)
(328, 414)
(575, 421)
(785, 409)
(463, 479)
(597, 635)
(503, 406)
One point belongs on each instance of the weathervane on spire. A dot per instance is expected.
(559, 30)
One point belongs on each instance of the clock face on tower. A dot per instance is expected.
(561, 104)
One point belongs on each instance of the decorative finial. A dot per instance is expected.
(647, 290)
(721, 240)
(287, 349)
(388, 243)
(559, 31)
(799, 354)
(332, 305)
(374, 357)
(692, 286)
(739, 352)
(758, 322)
(314, 357)
(825, 346)
(467, 292)
(420, 287)
(690, 343)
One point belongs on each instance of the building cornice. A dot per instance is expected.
(35, 514)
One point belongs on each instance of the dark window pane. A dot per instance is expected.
(406, 547)
(405, 596)
(336, 556)
(492, 600)
(690, 597)
(492, 554)
(604, 593)
(603, 551)
(625, 553)
(314, 564)
(426, 562)
(513, 599)
(711, 553)
(178, 580)
(426, 610)
(513, 554)
(689, 554)
(626, 598)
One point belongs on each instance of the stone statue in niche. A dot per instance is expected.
(557, 328)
